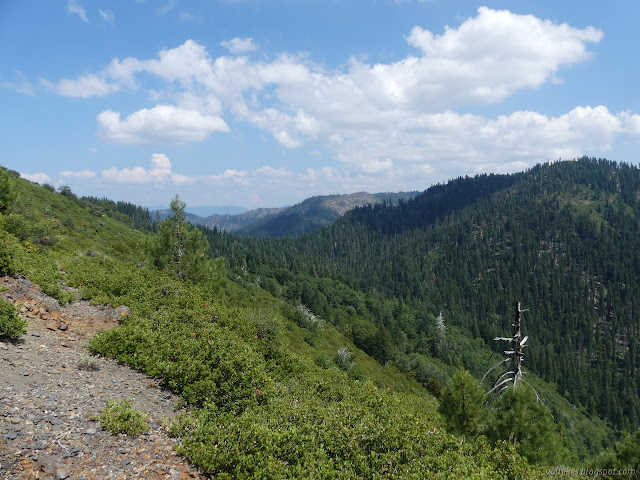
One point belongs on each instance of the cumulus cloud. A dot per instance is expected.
(493, 55)
(398, 118)
(158, 173)
(163, 124)
(632, 125)
(36, 177)
(239, 45)
(74, 7)
(476, 142)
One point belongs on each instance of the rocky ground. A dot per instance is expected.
(52, 391)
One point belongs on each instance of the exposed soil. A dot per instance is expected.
(50, 398)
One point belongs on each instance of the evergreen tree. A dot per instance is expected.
(521, 418)
(179, 247)
(461, 405)
(624, 456)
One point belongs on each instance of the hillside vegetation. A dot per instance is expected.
(274, 390)
(561, 238)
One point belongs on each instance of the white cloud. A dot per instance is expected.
(474, 141)
(632, 125)
(492, 55)
(189, 64)
(163, 124)
(83, 175)
(239, 45)
(73, 6)
(83, 87)
(397, 119)
(36, 177)
(158, 173)
(282, 186)
(274, 180)
(107, 15)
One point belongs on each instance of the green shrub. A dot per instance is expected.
(267, 326)
(356, 373)
(8, 248)
(257, 412)
(11, 325)
(33, 227)
(7, 190)
(323, 425)
(119, 416)
(311, 338)
(322, 362)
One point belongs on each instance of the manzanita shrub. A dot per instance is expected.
(11, 325)
(119, 416)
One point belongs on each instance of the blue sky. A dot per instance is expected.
(265, 103)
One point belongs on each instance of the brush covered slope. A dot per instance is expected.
(273, 390)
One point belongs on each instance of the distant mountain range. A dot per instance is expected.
(203, 211)
(304, 217)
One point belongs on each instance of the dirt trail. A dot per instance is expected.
(48, 406)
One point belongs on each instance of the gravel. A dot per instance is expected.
(49, 407)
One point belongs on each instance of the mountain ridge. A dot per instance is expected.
(304, 217)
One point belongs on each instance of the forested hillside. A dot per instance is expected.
(273, 390)
(279, 347)
(561, 238)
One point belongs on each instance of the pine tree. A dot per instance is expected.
(461, 405)
(180, 248)
(521, 418)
